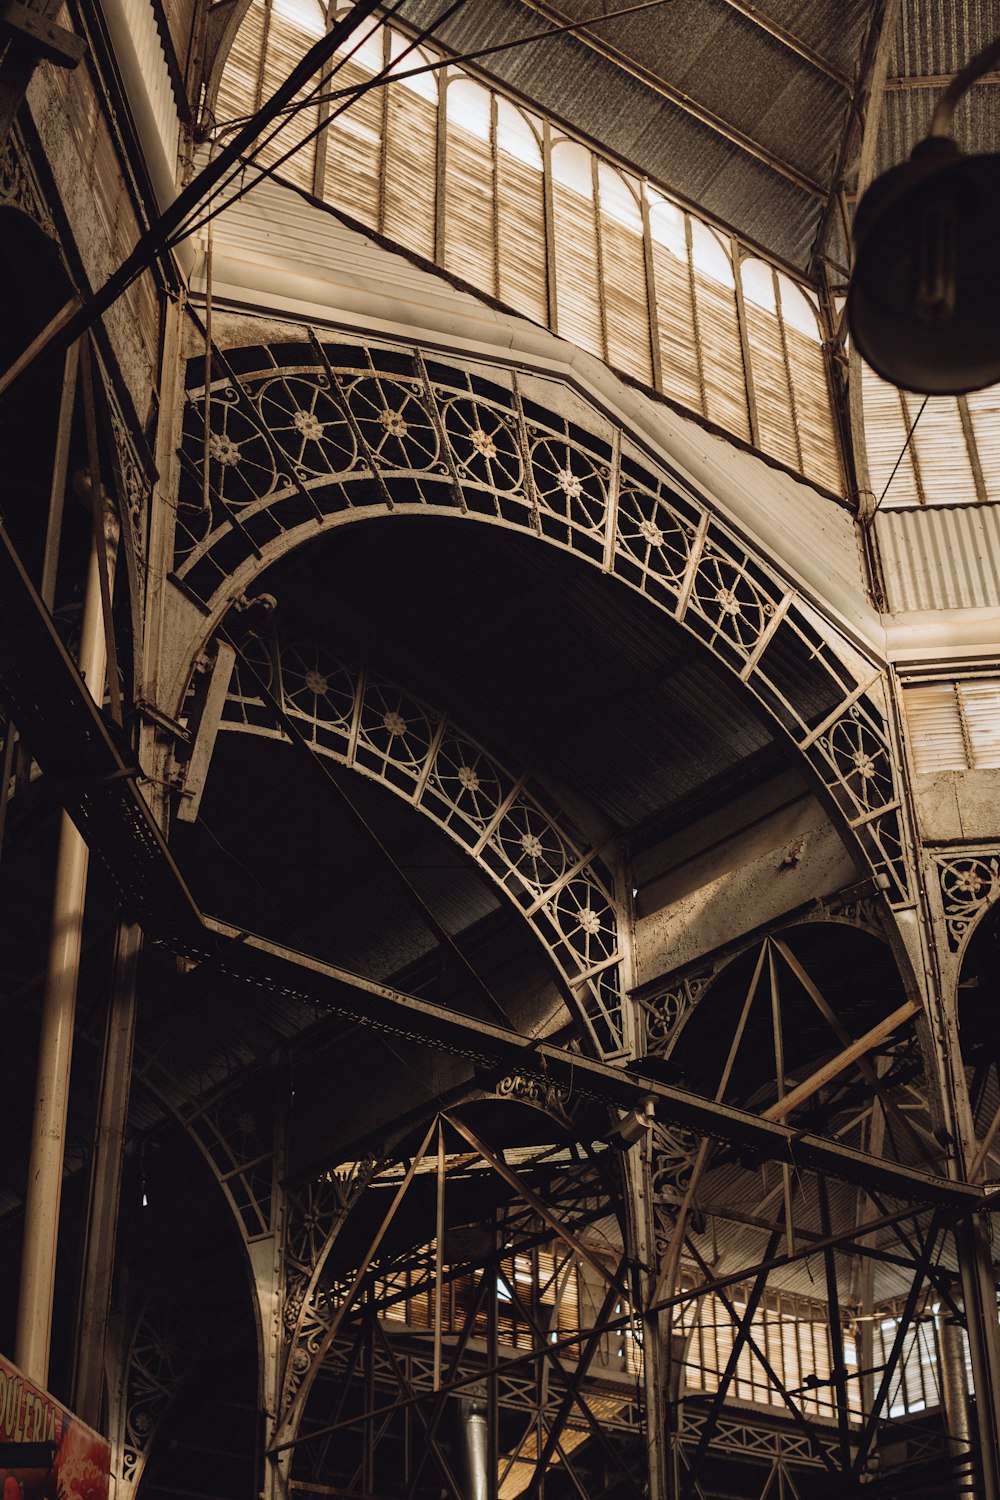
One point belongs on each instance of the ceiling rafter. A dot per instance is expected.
(690, 106)
(791, 41)
(766, 24)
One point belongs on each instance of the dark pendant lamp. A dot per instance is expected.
(924, 302)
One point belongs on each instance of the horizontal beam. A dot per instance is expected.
(269, 965)
(62, 727)
(931, 81)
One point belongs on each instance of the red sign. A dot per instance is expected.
(45, 1452)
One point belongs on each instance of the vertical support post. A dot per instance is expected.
(266, 1253)
(655, 1364)
(493, 1379)
(954, 1387)
(106, 1176)
(980, 1296)
(45, 1167)
(439, 1257)
(57, 489)
(835, 1327)
(474, 1428)
(368, 1461)
(6, 771)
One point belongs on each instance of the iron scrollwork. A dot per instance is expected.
(354, 430)
(970, 882)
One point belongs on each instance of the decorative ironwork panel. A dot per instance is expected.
(970, 882)
(309, 436)
(19, 187)
(666, 1011)
(316, 1213)
(511, 827)
(165, 1347)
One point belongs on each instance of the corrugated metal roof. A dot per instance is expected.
(702, 97)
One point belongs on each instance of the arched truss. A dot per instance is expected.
(308, 437)
(665, 1007)
(664, 1012)
(503, 819)
(976, 998)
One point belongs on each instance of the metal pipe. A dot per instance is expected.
(105, 1177)
(954, 1385)
(55, 1049)
(474, 1432)
(979, 1297)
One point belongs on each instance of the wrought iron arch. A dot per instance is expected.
(502, 818)
(294, 439)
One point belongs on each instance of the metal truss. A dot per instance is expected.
(309, 437)
(741, 1435)
(404, 1373)
(314, 1318)
(666, 1005)
(502, 818)
(795, 1209)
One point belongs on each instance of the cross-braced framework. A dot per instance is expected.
(289, 441)
(522, 1315)
(841, 1349)
(417, 1326)
(434, 1313)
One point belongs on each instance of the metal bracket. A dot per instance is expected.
(33, 29)
(210, 702)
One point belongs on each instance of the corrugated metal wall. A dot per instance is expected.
(152, 61)
(941, 557)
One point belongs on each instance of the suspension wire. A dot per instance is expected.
(902, 455)
(387, 75)
(349, 96)
(461, 57)
(283, 117)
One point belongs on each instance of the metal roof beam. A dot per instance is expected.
(932, 81)
(260, 962)
(690, 106)
(791, 41)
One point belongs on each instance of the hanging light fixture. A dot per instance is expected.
(924, 301)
